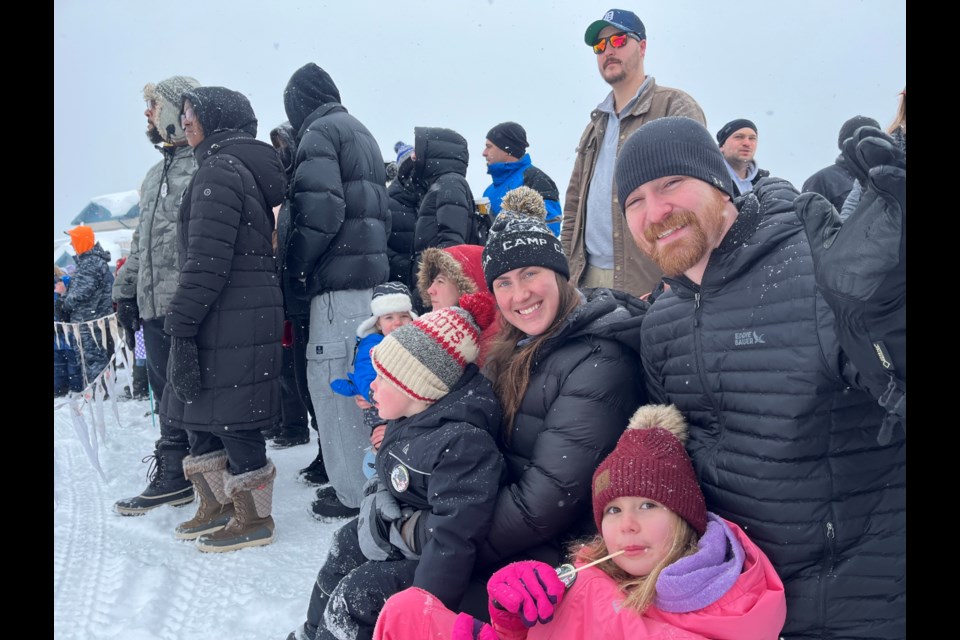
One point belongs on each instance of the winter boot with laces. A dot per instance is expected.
(251, 525)
(216, 509)
(167, 485)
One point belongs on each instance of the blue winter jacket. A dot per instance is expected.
(358, 382)
(510, 175)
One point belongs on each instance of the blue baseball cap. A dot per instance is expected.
(623, 20)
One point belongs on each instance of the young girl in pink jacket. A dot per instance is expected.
(676, 570)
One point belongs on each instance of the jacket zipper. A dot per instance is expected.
(826, 568)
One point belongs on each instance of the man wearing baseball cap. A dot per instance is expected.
(787, 433)
(738, 144)
(594, 237)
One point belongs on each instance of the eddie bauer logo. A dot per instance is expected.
(742, 338)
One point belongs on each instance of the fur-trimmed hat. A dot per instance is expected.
(649, 461)
(671, 146)
(459, 263)
(390, 297)
(520, 238)
(166, 96)
(426, 358)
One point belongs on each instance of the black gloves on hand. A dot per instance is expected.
(128, 316)
(183, 369)
(860, 268)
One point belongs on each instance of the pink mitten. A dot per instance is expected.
(466, 627)
(523, 593)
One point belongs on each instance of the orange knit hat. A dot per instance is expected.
(81, 238)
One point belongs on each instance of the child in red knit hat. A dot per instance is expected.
(661, 567)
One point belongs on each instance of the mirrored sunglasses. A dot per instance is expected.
(616, 41)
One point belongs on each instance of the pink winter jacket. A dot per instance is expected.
(754, 608)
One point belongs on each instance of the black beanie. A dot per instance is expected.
(308, 88)
(520, 238)
(732, 126)
(673, 146)
(510, 137)
(852, 125)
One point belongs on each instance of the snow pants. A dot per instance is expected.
(350, 590)
(414, 614)
(157, 345)
(334, 317)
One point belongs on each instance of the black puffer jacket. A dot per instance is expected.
(446, 215)
(583, 389)
(833, 182)
(448, 458)
(228, 296)
(338, 199)
(782, 445)
(295, 303)
(404, 202)
(88, 296)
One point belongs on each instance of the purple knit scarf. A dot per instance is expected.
(699, 580)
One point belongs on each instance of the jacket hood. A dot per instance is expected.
(260, 158)
(221, 109)
(606, 313)
(439, 151)
(96, 253)
(167, 95)
(308, 88)
(461, 263)
(471, 400)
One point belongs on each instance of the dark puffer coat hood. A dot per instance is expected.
(221, 109)
(308, 88)
(439, 151)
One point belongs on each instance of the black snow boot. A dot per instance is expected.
(291, 437)
(315, 473)
(167, 484)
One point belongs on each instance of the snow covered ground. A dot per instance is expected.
(128, 577)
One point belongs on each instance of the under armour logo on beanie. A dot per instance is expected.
(426, 358)
(520, 238)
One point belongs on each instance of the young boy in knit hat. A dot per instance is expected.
(661, 566)
(438, 475)
(390, 307)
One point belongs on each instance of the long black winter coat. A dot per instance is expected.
(338, 205)
(583, 389)
(446, 215)
(228, 296)
(446, 460)
(404, 197)
(88, 296)
(782, 445)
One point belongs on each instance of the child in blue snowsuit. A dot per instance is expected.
(391, 307)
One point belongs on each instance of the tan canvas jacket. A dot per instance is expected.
(633, 272)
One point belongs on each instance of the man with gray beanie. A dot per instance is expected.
(510, 166)
(835, 182)
(336, 254)
(146, 282)
(785, 439)
(594, 237)
(738, 144)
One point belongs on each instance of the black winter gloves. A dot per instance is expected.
(128, 316)
(861, 266)
(183, 369)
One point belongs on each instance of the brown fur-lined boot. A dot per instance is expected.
(206, 473)
(251, 525)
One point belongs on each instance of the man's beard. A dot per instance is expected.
(680, 255)
(153, 135)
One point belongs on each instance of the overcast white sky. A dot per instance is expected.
(797, 68)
